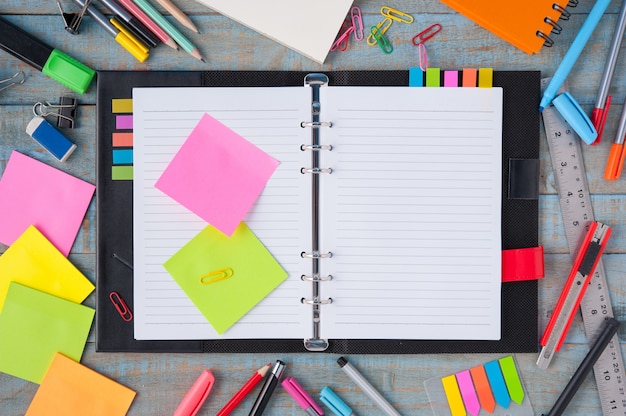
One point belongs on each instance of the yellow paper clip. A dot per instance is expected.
(357, 22)
(381, 40)
(121, 306)
(382, 26)
(396, 14)
(216, 276)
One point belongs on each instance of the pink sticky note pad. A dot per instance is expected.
(33, 193)
(217, 174)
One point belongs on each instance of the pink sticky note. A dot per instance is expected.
(217, 174)
(470, 398)
(33, 193)
(451, 78)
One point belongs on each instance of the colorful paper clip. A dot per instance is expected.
(216, 276)
(121, 306)
(357, 22)
(381, 39)
(383, 26)
(423, 56)
(341, 43)
(396, 14)
(426, 34)
(18, 78)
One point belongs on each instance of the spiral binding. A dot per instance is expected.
(316, 342)
(556, 28)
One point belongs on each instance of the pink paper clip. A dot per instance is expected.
(121, 306)
(423, 56)
(341, 43)
(426, 34)
(357, 22)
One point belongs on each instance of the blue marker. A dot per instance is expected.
(573, 52)
(50, 138)
(334, 403)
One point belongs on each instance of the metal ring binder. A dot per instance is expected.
(316, 124)
(316, 278)
(547, 41)
(315, 81)
(316, 147)
(316, 301)
(565, 15)
(316, 255)
(316, 171)
(556, 28)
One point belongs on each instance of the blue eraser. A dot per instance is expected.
(50, 138)
(575, 117)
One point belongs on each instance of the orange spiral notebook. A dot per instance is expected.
(527, 27)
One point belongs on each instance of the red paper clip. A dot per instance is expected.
(121, 306)
(341, 43)
(426, 34)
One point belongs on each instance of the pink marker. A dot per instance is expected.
(302, 397)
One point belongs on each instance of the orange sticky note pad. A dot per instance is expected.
(71, 389)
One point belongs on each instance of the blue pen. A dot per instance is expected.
(334, 403)
(573, 52)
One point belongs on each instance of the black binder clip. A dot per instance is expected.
(73, 20)
(18, 78)
(66, 111)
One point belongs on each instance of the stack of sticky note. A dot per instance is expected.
(219, 175)
(43, 324)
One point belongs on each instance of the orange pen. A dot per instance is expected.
(616, 157)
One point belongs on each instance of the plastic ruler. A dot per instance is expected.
(577, 214)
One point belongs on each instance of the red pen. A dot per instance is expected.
(198, 393)
(244, 390)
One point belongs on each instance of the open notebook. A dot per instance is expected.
(413, 215)
(409, 207)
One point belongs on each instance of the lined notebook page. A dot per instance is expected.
(411, 212)
(269, 118)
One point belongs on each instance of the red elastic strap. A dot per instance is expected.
(522, 264)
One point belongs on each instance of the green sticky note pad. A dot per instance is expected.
(34, 326)
(225, 277)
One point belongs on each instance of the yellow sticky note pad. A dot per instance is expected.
(225, 276)
(33, 261)
(71, 389)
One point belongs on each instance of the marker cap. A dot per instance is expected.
(68, 71)
(575, 117)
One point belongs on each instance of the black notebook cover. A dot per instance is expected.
(520, 218)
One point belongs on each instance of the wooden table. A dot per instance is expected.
(161, 380)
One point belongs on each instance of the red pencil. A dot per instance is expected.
(244, 390)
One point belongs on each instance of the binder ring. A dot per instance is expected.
(316, 255)
(315, 147)
(565, 15)
(572, 3)
(316, 124)
(316, 171)
(316, 301)
(316, 278)
(547, 41)
(556, 28)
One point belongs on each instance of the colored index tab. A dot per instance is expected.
(122, 105)
(481, 383)
(485, 77)
(469, 77)
(416, 77)
(468, 393)
(433, 77)
(455, 401)
(498, 386)
(451, 78)
(512, 379)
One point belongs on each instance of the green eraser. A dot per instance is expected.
(68, 71)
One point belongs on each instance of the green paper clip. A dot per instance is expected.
(381, 40)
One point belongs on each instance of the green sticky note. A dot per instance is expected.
(34, 326)
(512, 379)
(225, 277)
(433, 77)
